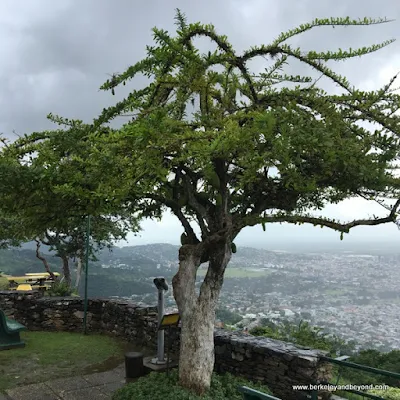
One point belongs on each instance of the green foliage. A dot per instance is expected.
(304, 334)
(389, 361)
(4, 285)
(309, 336)
(214, 143)
(388, 394)
(59, 289)
(234, 145)
(46, 195)
(227, 316)
(226, 145)
(157, 386)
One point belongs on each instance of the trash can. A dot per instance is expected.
(134, 365)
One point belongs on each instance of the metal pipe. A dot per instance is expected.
(160, 334)
(86, 275)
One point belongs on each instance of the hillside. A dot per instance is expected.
(128, 270)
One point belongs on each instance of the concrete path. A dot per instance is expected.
(99, 386)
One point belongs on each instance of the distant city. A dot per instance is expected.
(353, 294)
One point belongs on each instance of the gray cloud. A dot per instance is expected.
(54, 55)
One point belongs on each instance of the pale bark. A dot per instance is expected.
(196, 362)
(78, 271)
(66, 270)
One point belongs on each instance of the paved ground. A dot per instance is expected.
(99, 386)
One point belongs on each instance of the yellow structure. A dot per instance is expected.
(24, 287)
(31, 281)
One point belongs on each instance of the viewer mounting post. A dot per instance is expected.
(162, 287)
(86, 274)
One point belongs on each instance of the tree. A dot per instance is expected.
(10, 235)
(33, 169)
(223, 148)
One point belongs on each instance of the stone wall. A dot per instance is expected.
(278, 364)
(114, 317)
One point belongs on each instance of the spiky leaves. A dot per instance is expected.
(219, 144)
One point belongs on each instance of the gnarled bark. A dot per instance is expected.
(43, 260)
(198, 311)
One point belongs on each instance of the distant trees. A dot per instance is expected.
(227, 316)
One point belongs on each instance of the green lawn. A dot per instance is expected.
(51, 355)
(239, 273)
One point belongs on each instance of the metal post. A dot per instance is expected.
(86, 275)
(168, 344)
(162, 287)
(160, 334)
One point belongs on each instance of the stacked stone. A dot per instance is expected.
(279, 365)
(127, 320)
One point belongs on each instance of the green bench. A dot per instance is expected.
(9, 333)
(251, 394)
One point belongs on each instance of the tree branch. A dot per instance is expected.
(252, 220)
(175, 208)
(192, 201)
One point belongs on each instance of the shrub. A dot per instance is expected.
(158, 386)
(227, 316)
(389, 394)
(304, 334)
(59, 289)
(389, 361)
(4, 285)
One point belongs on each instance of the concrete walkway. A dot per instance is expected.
(88, 387)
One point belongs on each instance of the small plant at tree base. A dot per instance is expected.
(59, 289)
(158, 386)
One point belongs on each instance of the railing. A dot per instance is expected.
(251, 394)
(341, 361)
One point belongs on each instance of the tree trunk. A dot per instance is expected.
(196, 362)
(43, 260)
(78, 271)
(66, 270)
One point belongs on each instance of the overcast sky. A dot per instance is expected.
(54, 55)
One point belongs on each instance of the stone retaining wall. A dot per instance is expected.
(278, 364)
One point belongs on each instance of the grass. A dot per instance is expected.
(239, 273)
(52, 355)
